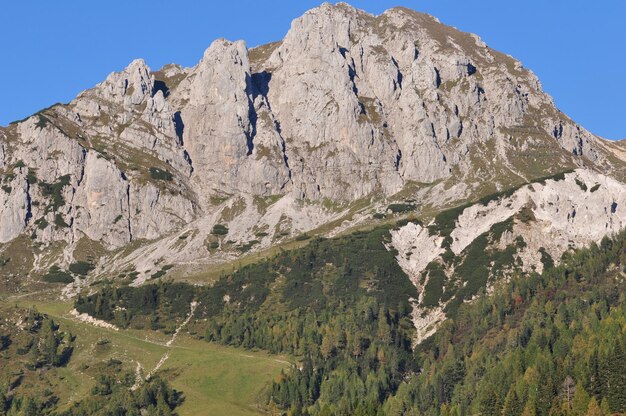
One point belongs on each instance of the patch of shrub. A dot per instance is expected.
(161, 272)
(42, 121)
(246, 247)
(81, 268)
(434, 288)
(60, 222)
(31, 178)
(448, 256)
(158, 274)
(581, 184)
(219, 229)
(401, 208)
(498, 195)
(55, 191)
(56, 275)
(41, 223)
(526, 215)
(446, 221)
(160, 174)
(546, 259)
(405, 221)
(556, 177)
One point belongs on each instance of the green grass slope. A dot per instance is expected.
(214, 379)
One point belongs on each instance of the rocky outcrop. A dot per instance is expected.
(156, 211)
(14, 208)
(2, 155)
(338, 153)
(102, 203)
(544, 220)
(580, 209)
(221, 124)
(416, 248)
(573, 212)
(400, 97)
(131, 87)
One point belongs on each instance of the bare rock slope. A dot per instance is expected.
(470, 248)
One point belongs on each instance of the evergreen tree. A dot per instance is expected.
(512, 404)
(594, 408)
(580, 402)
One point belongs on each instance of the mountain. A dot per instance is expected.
(350, 120)
(385, 199)
(349, 116)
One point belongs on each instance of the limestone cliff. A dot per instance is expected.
(347, 113)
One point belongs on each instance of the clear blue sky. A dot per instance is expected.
(52, 50)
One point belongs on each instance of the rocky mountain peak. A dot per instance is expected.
(133, 85)
(348, 110)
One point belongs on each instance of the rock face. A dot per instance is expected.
(221, 125)
(348, 110)
(541, 221)
(102, 202)
(14, 208)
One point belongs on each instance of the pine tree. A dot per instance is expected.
(604, 405)
(594, 408)
(489, 401)
(580, 402)
(595, 378)
(383, 331)
(512, 404)
(615, 370)
(529, 410)
(162, 408)
(30, 408)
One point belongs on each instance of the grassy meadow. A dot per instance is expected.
(214, 379)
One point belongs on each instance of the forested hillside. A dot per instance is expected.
(549, 344)
(341, 305)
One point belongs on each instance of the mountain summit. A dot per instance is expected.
(349, 119)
